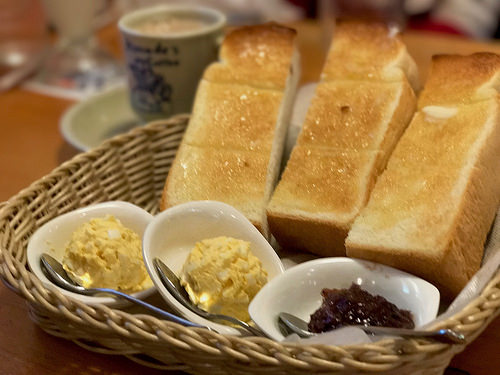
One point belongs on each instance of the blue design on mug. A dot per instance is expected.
(149, 90)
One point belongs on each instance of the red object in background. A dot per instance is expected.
(421, 21)
(432, 25)
(309, 7)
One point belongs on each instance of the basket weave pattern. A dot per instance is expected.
(132, 167)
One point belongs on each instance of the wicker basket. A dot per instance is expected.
(132, 167)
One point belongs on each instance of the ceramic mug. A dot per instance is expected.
(166, 51)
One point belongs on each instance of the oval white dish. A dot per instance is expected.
(298, 290)
(174, 232)
(53, 236)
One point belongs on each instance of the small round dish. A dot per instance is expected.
(173, 233)
(88, 123)
(53, 236)
(298, 290)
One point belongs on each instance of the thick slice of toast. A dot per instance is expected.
(352, 115)
(234, 116)
(259, 56)
(319, 195)
(233, 145)
(431, 209)
(351, 127)
(236, 177)
(365, 51)
(461, 79)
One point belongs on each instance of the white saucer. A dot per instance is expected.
(88, 123)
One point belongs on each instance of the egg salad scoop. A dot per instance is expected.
(221, 276)
(103, 253)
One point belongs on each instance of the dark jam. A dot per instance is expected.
(355, 306)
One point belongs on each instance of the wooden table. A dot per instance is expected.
(31, 146)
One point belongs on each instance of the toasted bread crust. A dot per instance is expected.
(431, 209)
(352, 125)
(296, 233)
(369, 51)
(452, 263)
(455, 79)
(323, 184)
(232, 147)
(255, 56)
(234, 116)
(354, 115)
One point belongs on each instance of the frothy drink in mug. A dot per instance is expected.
(171, 25)
(167, 48)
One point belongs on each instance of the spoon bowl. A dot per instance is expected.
(56, 273)
(174, 232)
(172, 283)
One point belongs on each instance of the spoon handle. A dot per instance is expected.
(299, 326)
(163, 313)
(248, 327)
(443, 335)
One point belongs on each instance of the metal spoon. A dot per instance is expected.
(173, 285)
(299, 326)
(56, 273)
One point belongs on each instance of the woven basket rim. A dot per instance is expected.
(471, 320)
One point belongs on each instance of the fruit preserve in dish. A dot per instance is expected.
(355, 306)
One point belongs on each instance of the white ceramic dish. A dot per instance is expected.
(53, 236)
(88, 123)
(298, 290)
(173, 233)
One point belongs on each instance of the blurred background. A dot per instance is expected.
(53, 42)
